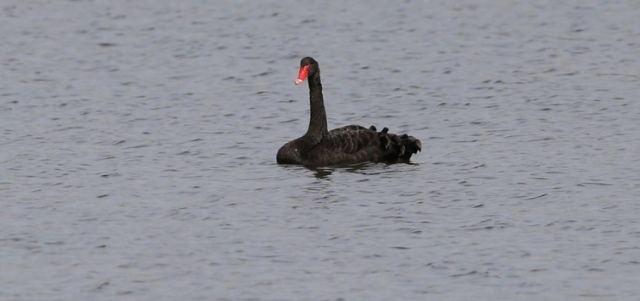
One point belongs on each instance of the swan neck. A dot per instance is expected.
(318, 119)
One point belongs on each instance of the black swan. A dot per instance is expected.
(345, 145)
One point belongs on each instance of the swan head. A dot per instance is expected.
(308, 66)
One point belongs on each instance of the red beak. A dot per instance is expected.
(302, 74)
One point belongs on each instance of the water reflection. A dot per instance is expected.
(366, 168)
(322, 173)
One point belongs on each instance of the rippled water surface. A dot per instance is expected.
(139, 138)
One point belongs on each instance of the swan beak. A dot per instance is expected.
(302, 74)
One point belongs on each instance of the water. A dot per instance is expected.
(139, 139)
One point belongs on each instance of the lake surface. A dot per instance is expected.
(139, 139)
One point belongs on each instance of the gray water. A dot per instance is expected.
(139, 138)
